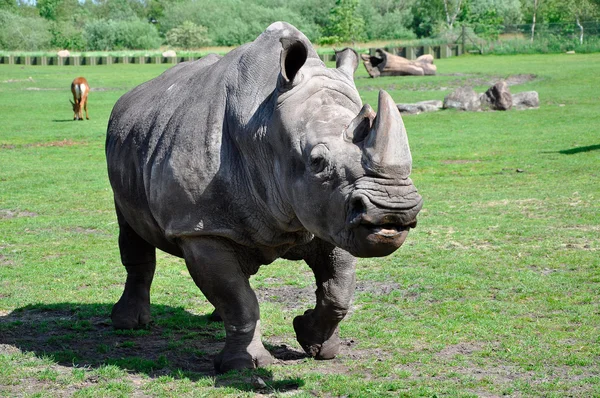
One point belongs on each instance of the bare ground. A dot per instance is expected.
(81, 336)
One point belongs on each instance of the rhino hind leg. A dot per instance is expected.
(132, 311)
(317, 330)
(216, 269)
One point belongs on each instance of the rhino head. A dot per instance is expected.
(346, 174)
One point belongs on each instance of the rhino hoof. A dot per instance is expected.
(224, 363)
(314, 341)
(130, 317)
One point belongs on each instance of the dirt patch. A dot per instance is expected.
(291, 298)
(62, 143)
(44, 89)
(85, 231)
(8, 214)
(460, 161)
(470, 80)
(29, 79)
(5, 261)
(295, 299)
(520, 79)
(107, 89)
(483, 80)
(466, 348)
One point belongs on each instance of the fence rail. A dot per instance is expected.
(412, 52)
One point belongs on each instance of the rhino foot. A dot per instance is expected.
(251, 358)
(130, 313)
(318, 342)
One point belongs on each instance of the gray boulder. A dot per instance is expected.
(463, 98)
(497, 97)
(526, 100)
(420, 107)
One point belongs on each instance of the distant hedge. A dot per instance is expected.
(23, 33)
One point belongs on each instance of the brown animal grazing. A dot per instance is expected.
(80, 89)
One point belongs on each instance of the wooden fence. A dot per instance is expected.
(442, 51)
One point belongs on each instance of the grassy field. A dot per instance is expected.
(496, 292)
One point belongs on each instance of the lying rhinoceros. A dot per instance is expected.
(232, 162)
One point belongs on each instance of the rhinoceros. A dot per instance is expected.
(232, 162)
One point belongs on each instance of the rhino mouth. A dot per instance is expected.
(379, 231)
(388, 230)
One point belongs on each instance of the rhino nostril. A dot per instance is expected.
(357, 210)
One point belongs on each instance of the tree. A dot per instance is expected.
(452, 10)
(536, 4)
(8, 5)
(345, 25)
(23, 33)
(387, 19)
(188, 35)
(581, 9)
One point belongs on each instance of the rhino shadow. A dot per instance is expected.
(177, 343)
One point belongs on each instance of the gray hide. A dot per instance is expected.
(231, 162)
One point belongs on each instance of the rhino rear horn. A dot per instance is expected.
(346, 60)
(359, 127)
(385, 150)
(293, 57)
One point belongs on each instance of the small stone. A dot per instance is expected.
(258, 383)
(520, 171)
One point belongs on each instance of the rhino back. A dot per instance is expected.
(173, 148)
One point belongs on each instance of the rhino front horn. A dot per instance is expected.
(385, 150)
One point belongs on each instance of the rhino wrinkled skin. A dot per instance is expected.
(232, 162)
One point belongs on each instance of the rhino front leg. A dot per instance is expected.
(317, 330)
(216, 269)
(139, 258)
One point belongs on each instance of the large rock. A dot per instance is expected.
(420, 107)
(387, 64)
(526, 100)
(463, 98)
(497, 97)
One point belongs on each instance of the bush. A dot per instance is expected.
(188, 35)
(66, 36)
(545, 45)
(234, 22)
(23, 33)
(137, 35)
(103, 35)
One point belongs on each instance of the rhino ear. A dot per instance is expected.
(346, 60)
(293, 56)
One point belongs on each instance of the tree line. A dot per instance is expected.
(99, 25)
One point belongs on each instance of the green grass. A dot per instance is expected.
(494, 293)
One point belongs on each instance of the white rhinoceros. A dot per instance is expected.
(232, 162)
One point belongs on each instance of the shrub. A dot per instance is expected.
(234, 22)
(137, 34)
(23, 33)
(67, 35)
(100, 35)
(188, 35)
(103, 35)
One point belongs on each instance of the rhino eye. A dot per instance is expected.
(319, 159)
